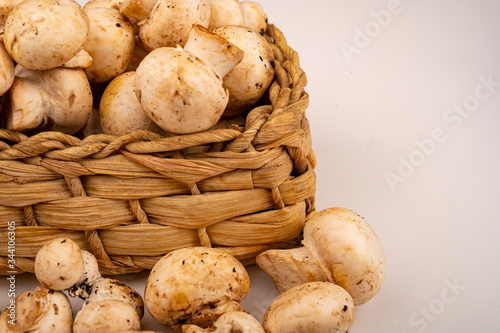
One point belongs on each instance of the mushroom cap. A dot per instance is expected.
(235, 321)
(6, 71)
(225, 12)
(178, 92)
(59, 264)
(58, 99)
(347, 250)
(193, 280)
(41, 310)
(255, 17)
(106, 316)
(6, 6)
(106, 288)
(310, 308)
(120, 110)
(44, 34)
(90, 274)
(175, 16)
(247, 81)
(110, 43)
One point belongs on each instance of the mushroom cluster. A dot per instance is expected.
(165, 66)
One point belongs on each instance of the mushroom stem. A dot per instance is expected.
(215, 51)
(297, 265)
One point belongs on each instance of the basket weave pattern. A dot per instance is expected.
(132, 199)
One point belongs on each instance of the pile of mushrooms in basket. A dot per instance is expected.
(172, 67)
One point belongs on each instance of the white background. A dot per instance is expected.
(380, 85)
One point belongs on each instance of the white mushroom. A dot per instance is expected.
(229, 322)
(225, 12)
(171, 21)
(44, 34)
(137, 10)
(6, 6)
(6, 71)
(248, 81)
(180, 93)
(110, 43)
(311, 308)
(39, 311)
(195, 286)
(60, 264)
(106, 316)
(120, 110)
(58, 99)
(115, 4)
(339, 247)
(255, 17)
(112, 289)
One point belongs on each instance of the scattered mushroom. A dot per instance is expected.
(110, 43)
(225, 12)
(339, 247)
(44, 34)
(182, 94)
(195, 286)
(248, 81)
(6, 71)
(311, 308)
(236, 321)
(255, 17)
(39, 311)
(58, 99)
(120, 110)
(176, 17)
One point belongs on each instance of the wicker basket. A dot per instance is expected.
(132, 199)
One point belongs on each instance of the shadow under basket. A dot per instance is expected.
(132, 199)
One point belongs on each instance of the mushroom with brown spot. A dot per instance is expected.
(248, 81)
(195, 286)
(58, 99)
(39, 311)
(236, 321)
(44, 34)
(339, 247)
(181, 90)
(120, 111)
(255, 17)
(171, 21)
(310, 308)
(110, 43)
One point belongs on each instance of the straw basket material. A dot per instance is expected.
(132, 199)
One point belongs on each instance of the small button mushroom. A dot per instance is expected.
(39, 311)
(171, 21)
(58, 99)
(106, 316)
(120, 110)
(225, 12)
(6, 71)
(229, 322)
(255, 17)
(60, 264)
(311, 308)
(248, 81)
(195, 286)
(110, 43)
(181, 93)
(44, 34)
(345, 250)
